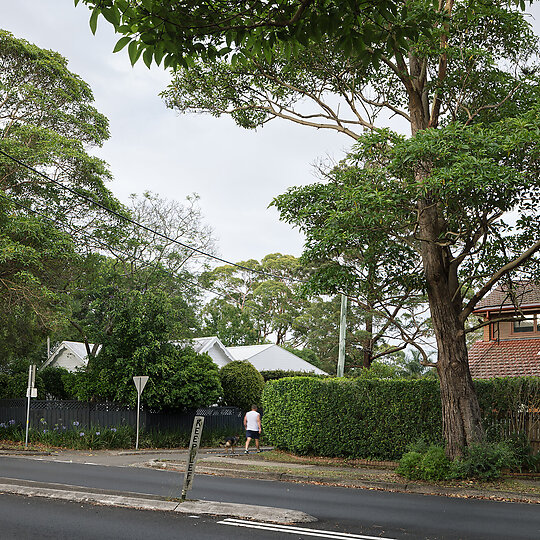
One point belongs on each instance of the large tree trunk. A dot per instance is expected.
(367, 343)
(461, 416)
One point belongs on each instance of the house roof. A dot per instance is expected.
(204, 344)
(76, 347)
(272, 357)
(526, 294)
(506, 358)
(245, 352)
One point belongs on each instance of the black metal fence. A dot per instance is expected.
(70, 413)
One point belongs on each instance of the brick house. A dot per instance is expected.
(511, 342)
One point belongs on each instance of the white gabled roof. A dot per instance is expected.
(271, 357)
(79, 348)
(204, 344)
(75, 347)
(246, 352)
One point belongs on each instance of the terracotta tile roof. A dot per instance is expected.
(508, 358)
(526, 293)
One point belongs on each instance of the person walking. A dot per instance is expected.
(252, 423)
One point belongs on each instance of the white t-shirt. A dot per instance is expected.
(252, 423)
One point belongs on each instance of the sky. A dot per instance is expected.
(236, 172)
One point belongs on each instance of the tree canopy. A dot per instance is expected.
(465, 67)
(175, 32)
(47, 124)
(140, 343)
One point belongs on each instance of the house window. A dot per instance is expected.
(526, 325)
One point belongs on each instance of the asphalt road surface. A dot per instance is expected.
(353, 512)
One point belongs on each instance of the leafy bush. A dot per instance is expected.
(410, 466)
(429, 465)
(242, 385)
(482, 461)
(435, 465)
(347, 417)
(54, 382)
(273, 375)
(486, 461)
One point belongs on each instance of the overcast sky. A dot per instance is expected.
(236, 172)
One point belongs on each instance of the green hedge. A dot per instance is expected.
(274, 374)
(378, 419)
(356, 418)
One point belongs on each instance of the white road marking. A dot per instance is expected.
(299, 530)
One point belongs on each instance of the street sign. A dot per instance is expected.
(31, 392)
(140, 383)
(196, 434)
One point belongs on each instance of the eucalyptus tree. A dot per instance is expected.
(263, 296)
(160, 251)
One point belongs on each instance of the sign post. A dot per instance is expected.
(140, 383)
(31, 392)
(194, 443)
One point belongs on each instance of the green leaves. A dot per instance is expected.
(93, 19)
(49, 123)
(184, 27)
(121, 43)
(377, 418)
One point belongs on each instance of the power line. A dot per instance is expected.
(142, 226)
(155, 266)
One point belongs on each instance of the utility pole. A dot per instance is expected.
(342, 333)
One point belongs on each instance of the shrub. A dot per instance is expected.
(242, 385)
(346, 417)
(485, 461)
(435, 465)
(481, 461)
(273, 375)
(54, 382)
(429, 465)
(409, 466)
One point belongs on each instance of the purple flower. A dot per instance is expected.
(113, 429)
(3, 424)
(81, 434)
(98, 433)
(11, 422)
(44, 431)
(75, 423)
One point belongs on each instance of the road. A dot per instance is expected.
(353, 511)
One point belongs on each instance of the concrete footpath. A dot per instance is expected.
(268, 465)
